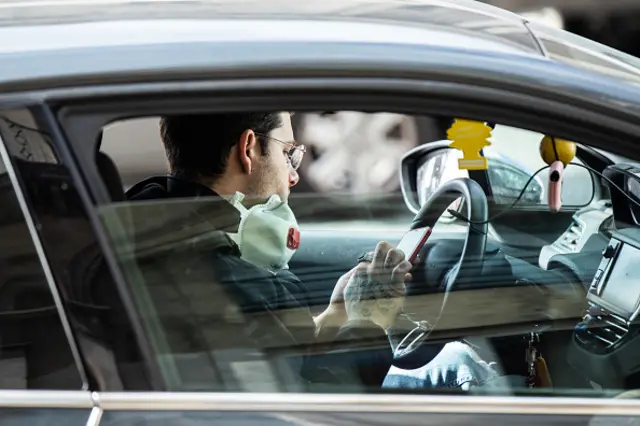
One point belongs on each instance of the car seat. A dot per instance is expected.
(110, 176)
(109, 173)
(96, 309)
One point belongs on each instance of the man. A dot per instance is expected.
(255, 154)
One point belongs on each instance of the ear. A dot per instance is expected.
(248, 150)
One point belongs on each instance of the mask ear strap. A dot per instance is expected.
(236, 201)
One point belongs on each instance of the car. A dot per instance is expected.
(105, 318)
(508, 176)
(383, 137)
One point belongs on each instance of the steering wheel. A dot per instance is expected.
(470, 264)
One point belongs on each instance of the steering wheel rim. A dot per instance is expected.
(471, 258)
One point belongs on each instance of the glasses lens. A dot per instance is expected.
(296, 157)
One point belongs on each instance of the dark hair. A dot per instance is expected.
(198, 146)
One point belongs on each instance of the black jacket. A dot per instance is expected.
(219, 303)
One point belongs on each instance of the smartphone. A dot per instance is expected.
(412, 243)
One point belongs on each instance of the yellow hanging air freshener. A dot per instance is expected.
(470, 137)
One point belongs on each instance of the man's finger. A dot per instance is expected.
(356, 287)
(379, 256)
(359, 269)
(394, 257)
(359, 275)
(354, 269)
(400, 271)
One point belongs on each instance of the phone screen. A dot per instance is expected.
(413, 241)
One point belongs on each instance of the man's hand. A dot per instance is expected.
(375, 292)
(336, 304)
(335, 315)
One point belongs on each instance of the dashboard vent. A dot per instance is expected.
(571, 237)
(608, 329)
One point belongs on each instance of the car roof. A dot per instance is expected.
(23, 12)
(56, 43)
(431, 22)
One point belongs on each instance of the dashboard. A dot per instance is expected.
(606, 342)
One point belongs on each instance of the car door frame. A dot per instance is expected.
(56, 405)
(404, 95)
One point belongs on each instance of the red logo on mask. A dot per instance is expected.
(293, 239)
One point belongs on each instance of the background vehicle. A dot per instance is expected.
(358, 153)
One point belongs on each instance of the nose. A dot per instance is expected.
(294, 177)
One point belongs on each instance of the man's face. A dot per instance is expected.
(273, 174)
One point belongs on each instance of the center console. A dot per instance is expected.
(585, 222)
(606, 344)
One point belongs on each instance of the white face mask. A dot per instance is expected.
(268, 233)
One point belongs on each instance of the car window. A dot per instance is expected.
(515, 157)
(34, 348)
(514, 164)
(506, 291)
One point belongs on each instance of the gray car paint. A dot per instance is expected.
(131, 61)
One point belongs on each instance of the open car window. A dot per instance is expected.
(218, 324)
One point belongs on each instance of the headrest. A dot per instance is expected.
(110, 176)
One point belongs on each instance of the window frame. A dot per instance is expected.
(19, 188)
(74, 123)
(80, 120)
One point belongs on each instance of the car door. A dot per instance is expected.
(42, 376)
(228, 383)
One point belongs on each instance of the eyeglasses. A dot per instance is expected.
(295, 154)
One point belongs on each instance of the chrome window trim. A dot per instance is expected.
(94, 417)
(44, 263)
(363, 403)
(45, 399)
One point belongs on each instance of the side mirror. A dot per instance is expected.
(437, 170)
(429, 166)
(424, 169)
